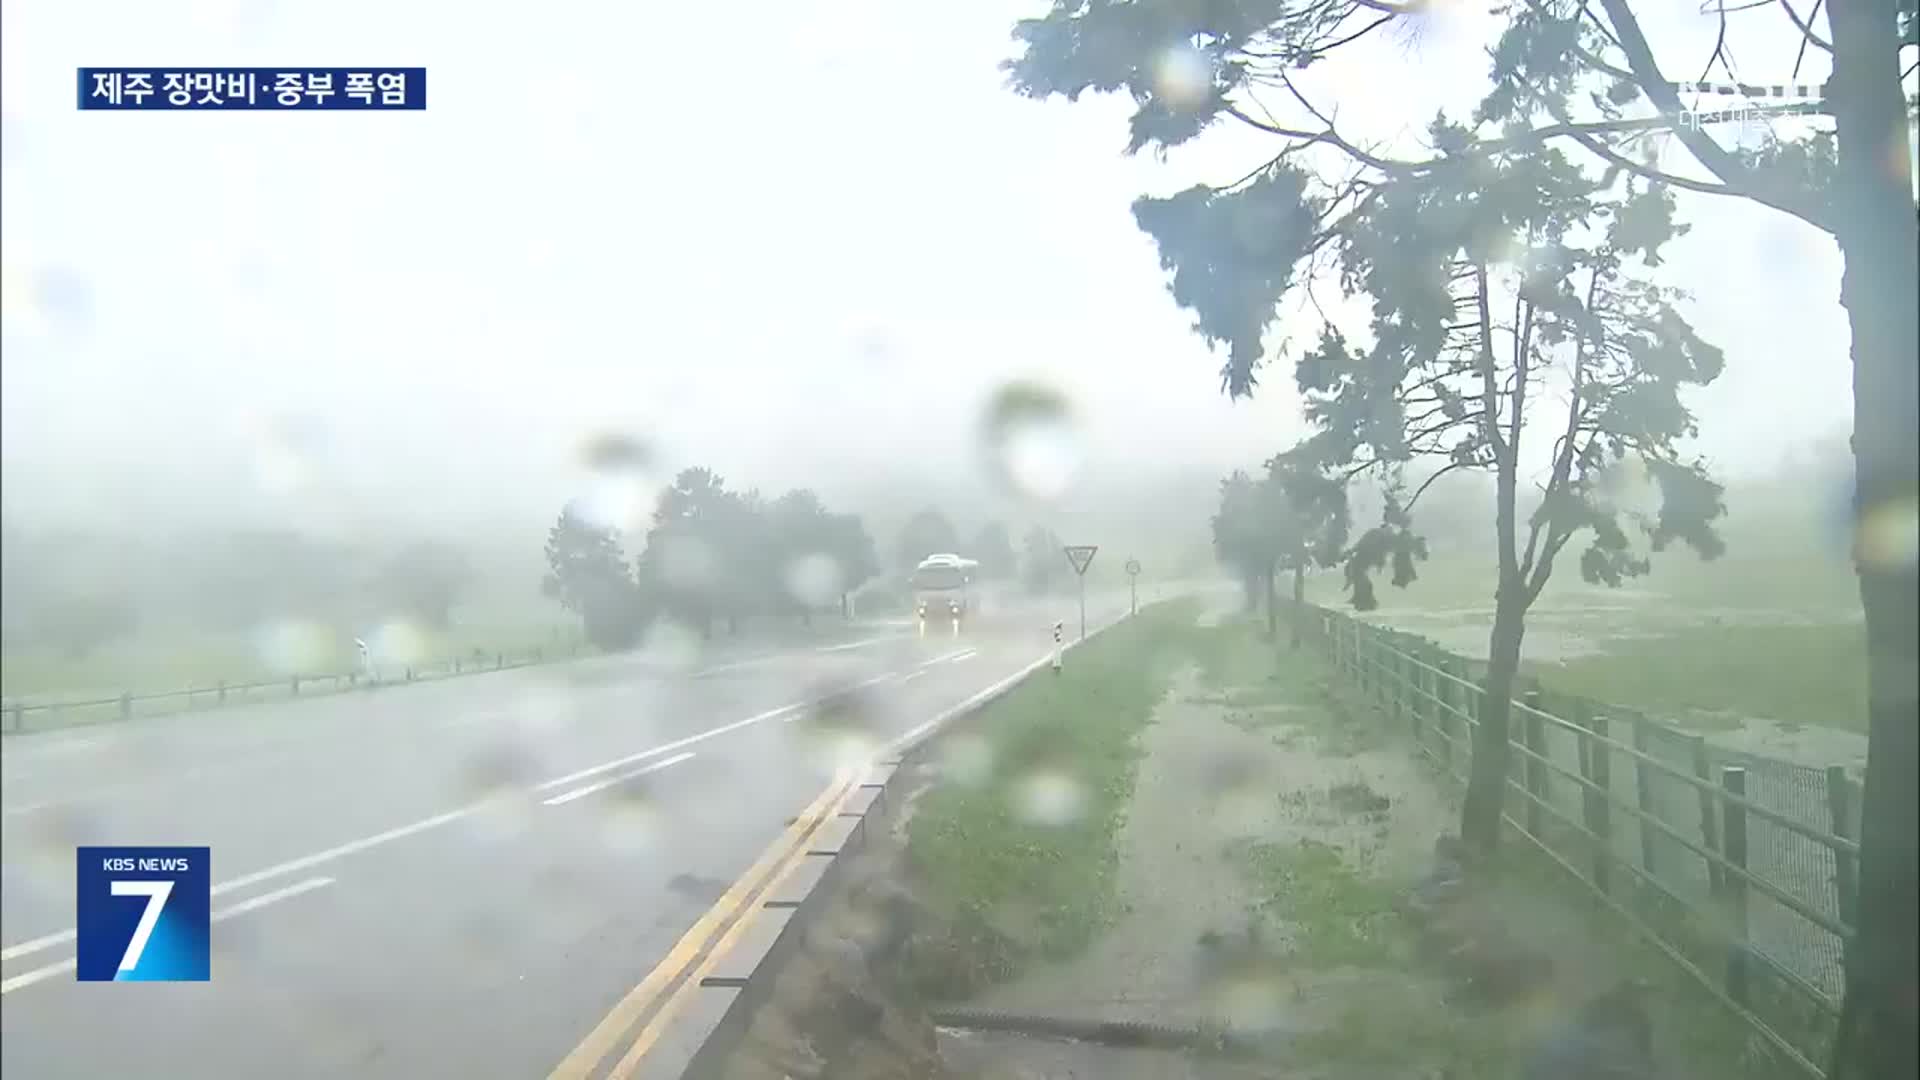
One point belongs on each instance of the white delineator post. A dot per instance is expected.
(1058, 648)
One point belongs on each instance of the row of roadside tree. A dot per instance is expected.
(1511, 319)
(716, 557)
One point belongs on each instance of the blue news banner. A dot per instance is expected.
(374, 89)
(144, 914)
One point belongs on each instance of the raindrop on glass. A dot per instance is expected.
(1030, 441)
(1049, 798)
(1183, 77)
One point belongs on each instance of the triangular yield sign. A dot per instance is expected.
(1080, 555)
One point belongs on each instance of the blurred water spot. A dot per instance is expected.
(284, 450)
(618, 494)
(814, 580)
(629, 817)
(295, 646)
(967, 759)
(1249, 1004)
(57, 830)
(841, 729)
(1889, 537)
(1030, 440)
(1049, 797)
(687, 562)
(65, 298)
(12, 144)
(400, 641)
(672, 643)
(496, 776)
(1183, 77)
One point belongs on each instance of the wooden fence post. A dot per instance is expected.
(126, 706)
(1733, 778)
(221, 694)
(1535, 737)
(1599, 815)
(1709, 813)
(1840, 809)
(1643, 792)
(295, 682)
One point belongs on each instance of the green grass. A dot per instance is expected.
(152, 662)
(1335, 915)
(1003, 890)
(1793, 674)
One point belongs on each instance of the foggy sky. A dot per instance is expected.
(792, 241)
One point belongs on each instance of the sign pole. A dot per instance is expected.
(1081, 556)
(1133, 587)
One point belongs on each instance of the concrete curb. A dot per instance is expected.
(698, 1039)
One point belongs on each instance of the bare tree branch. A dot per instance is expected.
(1718, 160)
(1428, 482)
(1805, 26)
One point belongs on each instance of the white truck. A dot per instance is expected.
(944, 591)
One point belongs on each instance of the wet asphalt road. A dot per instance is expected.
(445, 879)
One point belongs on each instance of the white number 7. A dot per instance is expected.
(156, 893)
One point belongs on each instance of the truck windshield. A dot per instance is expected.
(938, 577)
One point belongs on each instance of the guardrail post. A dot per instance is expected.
(1709, 812)
(294, 684)
(19, 717)
(220, 693)
(1535, 736)
(409, 672)
(1643, 795)
(456, 665)
(1840, 809)
(1734, 887)
(1418, 691)
(499, 661)
(126, 706)
(1599, 812)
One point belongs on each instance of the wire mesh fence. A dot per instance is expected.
(1739, 866)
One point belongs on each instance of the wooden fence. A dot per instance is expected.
(1738, 868)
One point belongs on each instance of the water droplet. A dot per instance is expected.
(1049, 798)
(629, 817)
(688, 563)
(1030, 440)
(65, 297)
(294, 646)
(1183, 77)
(814, 580)
(1889, 535)
(967, 760)
(400, 641)
(672, 644)
(618, 496)
(842, 729)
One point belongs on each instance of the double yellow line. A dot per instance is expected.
(653, 1003)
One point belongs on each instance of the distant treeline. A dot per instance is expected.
(713, 556)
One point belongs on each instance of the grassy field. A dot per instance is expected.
(1016, 864)
(1769, 632)
(153, 661)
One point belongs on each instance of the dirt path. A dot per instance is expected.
(1228, 776)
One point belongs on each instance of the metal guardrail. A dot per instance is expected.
(14, 712)
(1681, 828)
